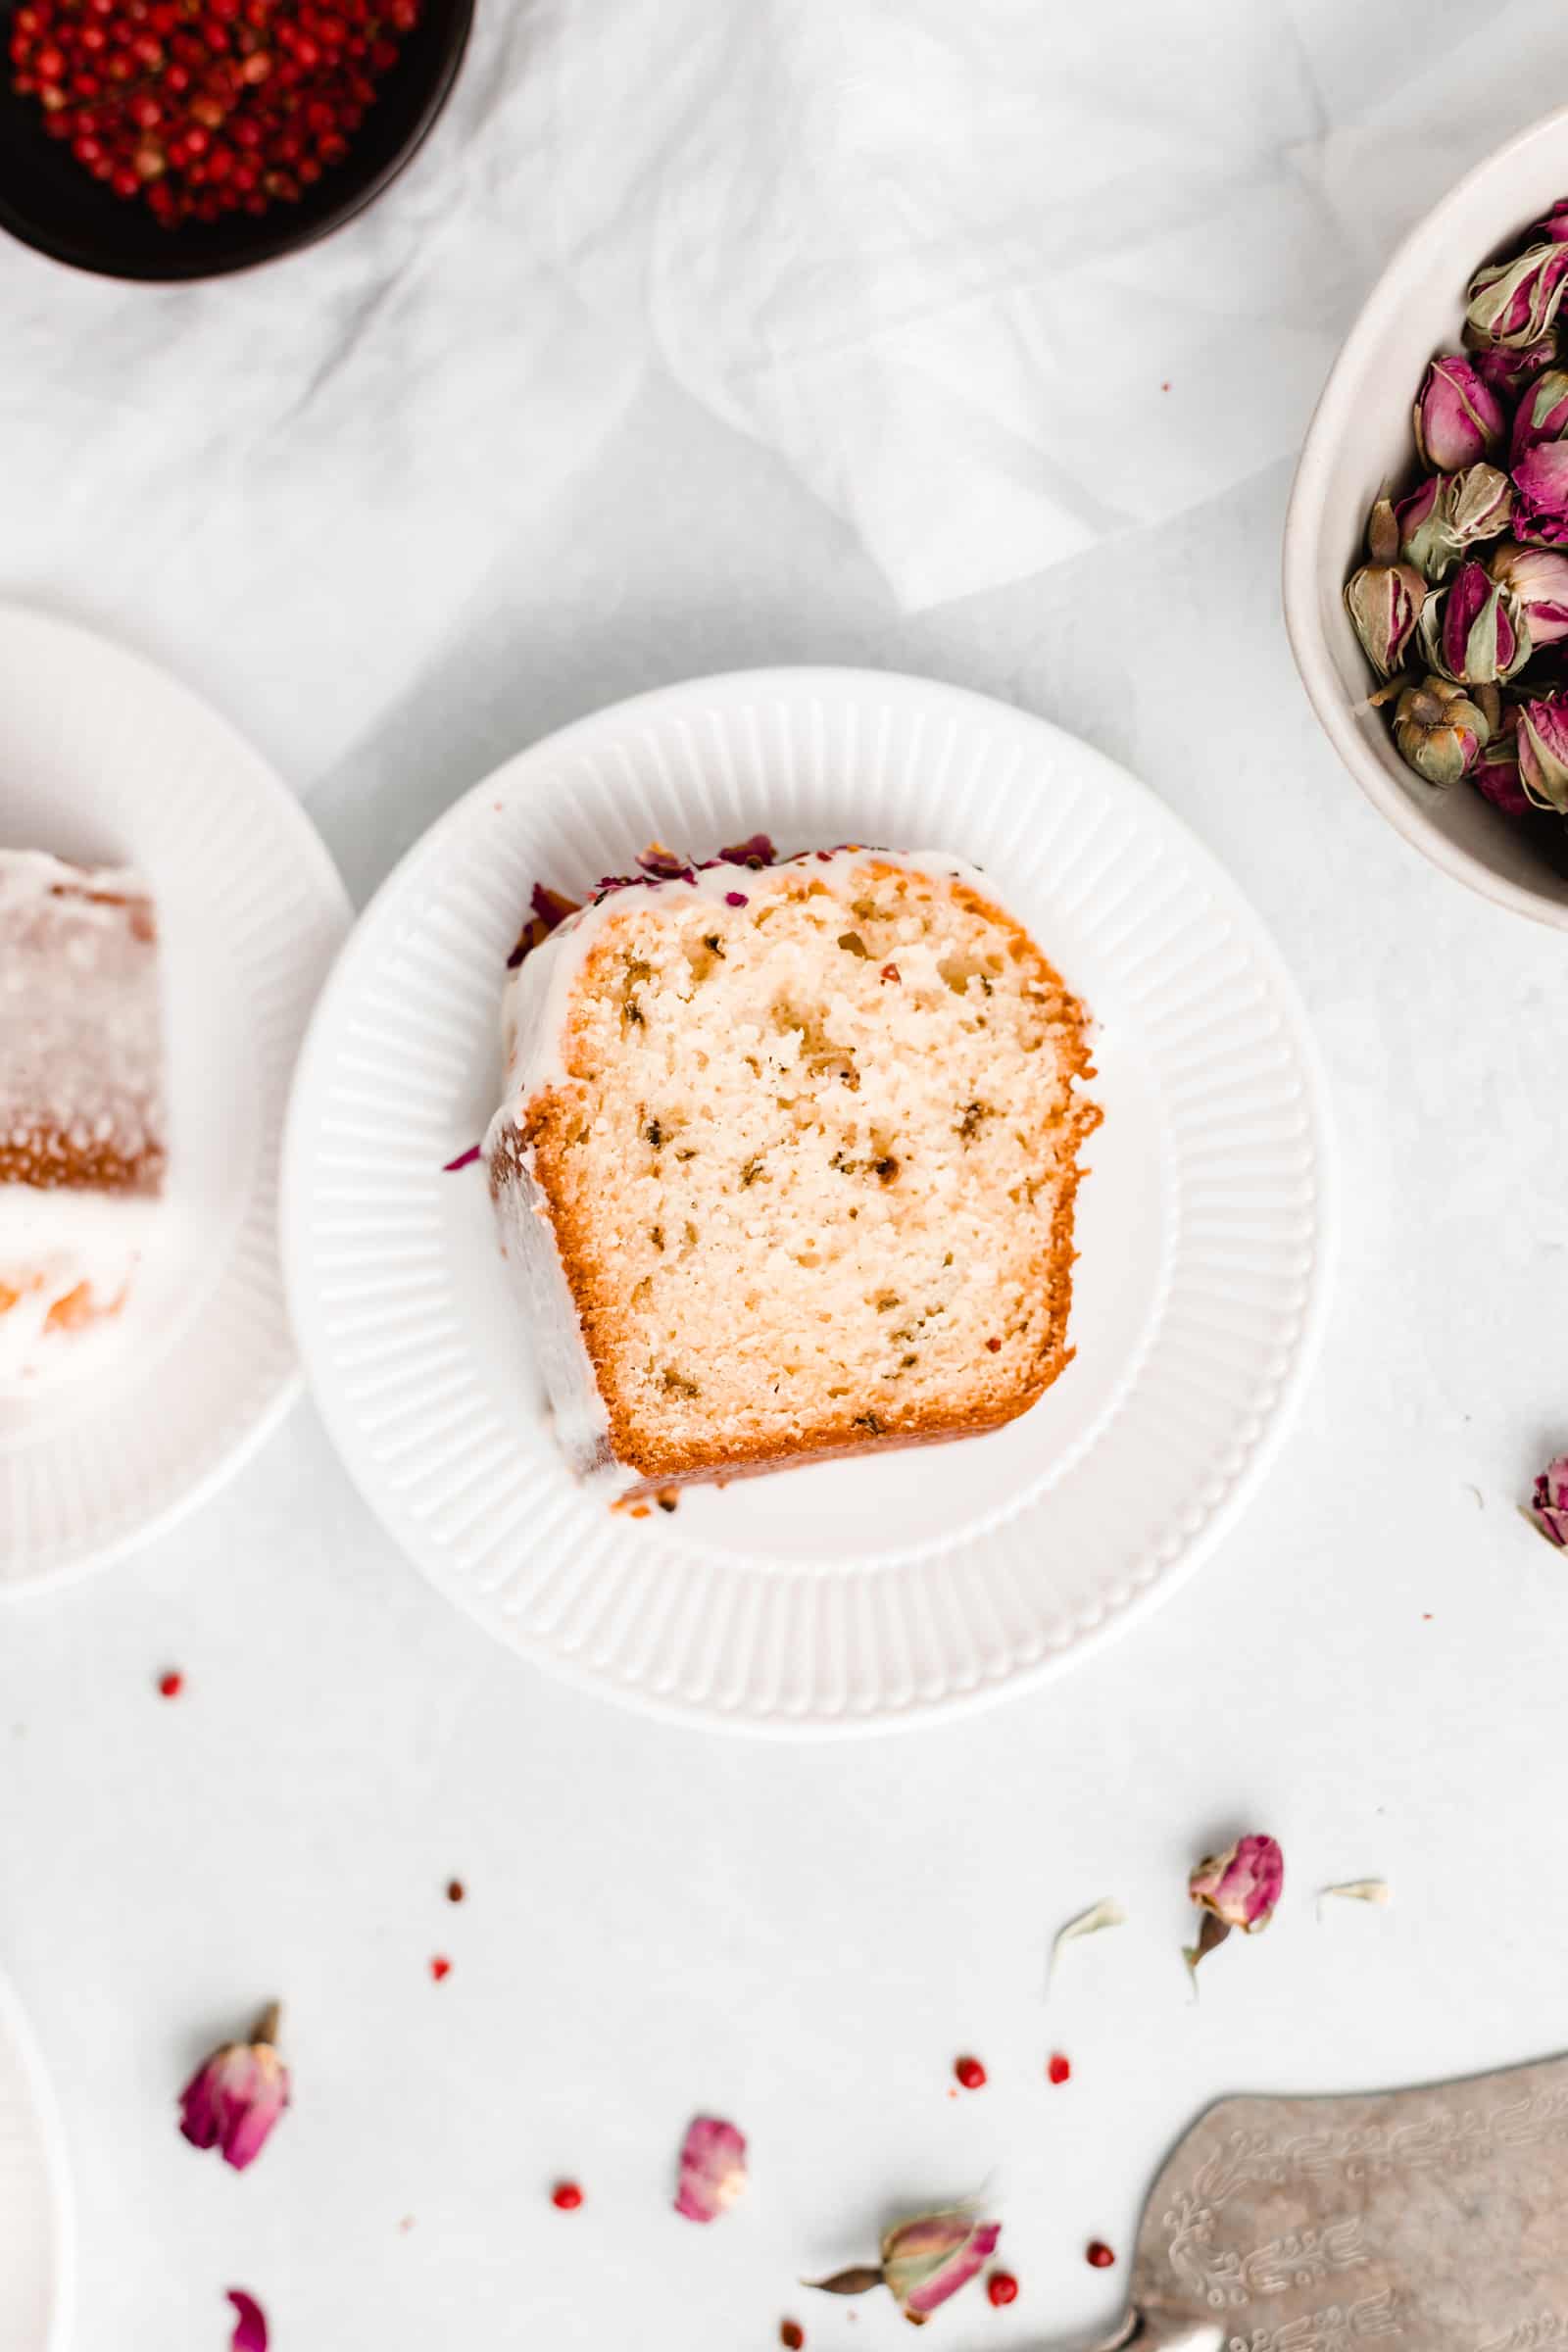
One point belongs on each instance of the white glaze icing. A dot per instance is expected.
(52, 1241)
(535, 1007)
(80, 1074)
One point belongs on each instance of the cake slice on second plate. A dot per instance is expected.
(81, 1107)
(786, 1163)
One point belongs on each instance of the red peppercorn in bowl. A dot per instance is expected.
(164, 139)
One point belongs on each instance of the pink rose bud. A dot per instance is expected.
(1474, 631)
(1238, 1888)
(1516, 303)
(713, 2170)
(926, 2260)
(233, 2102)
(1495, 772)
(1555, 224)
(1450, 514)
(1384, 599)
(1542, 414)
(1439, 730)
(1458, 417)
(1544, 750)
(923, 2262)
(1507, 372)
(1548, 1506)
(1538, 578)
(1540, 487)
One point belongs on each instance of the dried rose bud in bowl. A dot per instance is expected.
(1448, 411)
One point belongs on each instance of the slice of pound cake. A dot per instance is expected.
(81, 1107)
(787, 1158)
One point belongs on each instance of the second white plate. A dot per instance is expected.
(105, 760)
(877, 1589)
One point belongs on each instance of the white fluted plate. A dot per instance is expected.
(38, 2241)
(105, 760)
(847, 1594)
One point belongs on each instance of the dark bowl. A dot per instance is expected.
(51, 202)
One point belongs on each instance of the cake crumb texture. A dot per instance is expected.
(812, 1166)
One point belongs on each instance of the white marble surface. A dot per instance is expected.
(395, 538)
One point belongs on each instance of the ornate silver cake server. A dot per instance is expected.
(1410, 2221)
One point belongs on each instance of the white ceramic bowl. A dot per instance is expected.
(1360, 438)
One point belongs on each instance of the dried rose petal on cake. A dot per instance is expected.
(712, 2169)
(235, 2098)
(550, 908)
(757, 850)
(1548, 1506)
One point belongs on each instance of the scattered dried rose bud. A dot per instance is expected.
(1439, 730)
(1516, 303)
(1474, 631)
(1548, 1506)
(1540, 481)
(712, 2169)
(1105, 1914)
(1543, 750)
(234, 2100)
(1458, 417)
(924, 2261)
(1384, 599)
(249, 2324)
(1239, 1888)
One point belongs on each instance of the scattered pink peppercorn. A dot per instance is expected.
(456, 1890)
(171, 1685)
(1098, 2255)
(970, 2072)
(1059, 2068)
(565, 2197)
(1003, 2287)
(440, 1966)
(791, 2335)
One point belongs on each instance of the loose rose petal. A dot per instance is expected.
(464, 1159)
(250, 2328)
(1361, 1890)
(1106, 1914)
(712, 2169)
(1548, 1506)
(736, 898)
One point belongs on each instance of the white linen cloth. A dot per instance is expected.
(994, 278)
